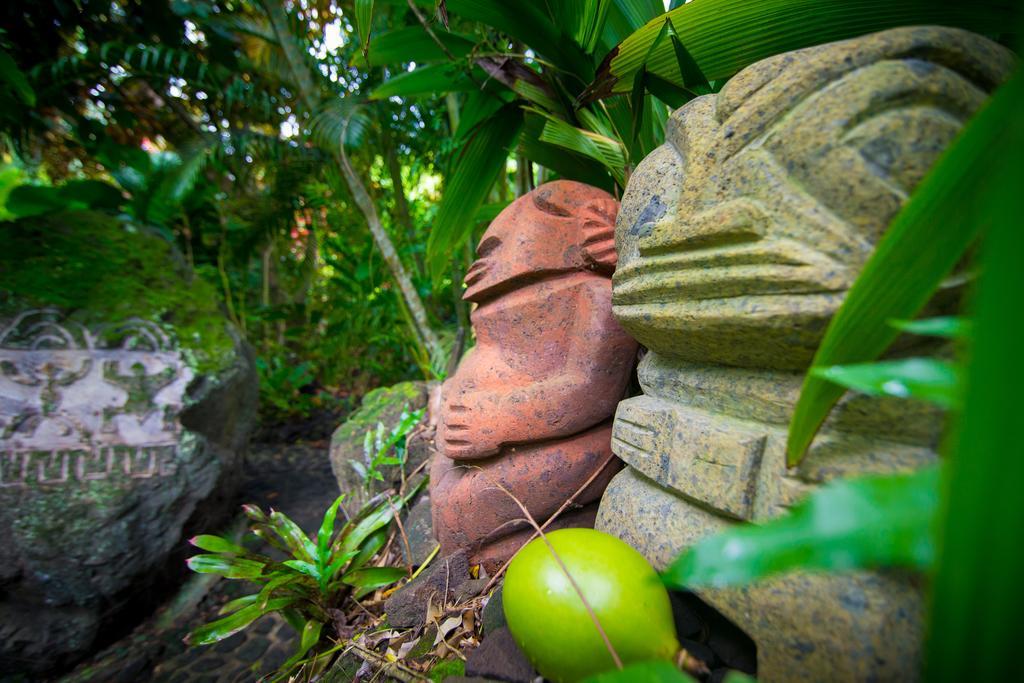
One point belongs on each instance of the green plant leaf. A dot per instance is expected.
(977, 595)
(338, 563)
(923, 244)
(569, 166)
(947, 327)
(724, 36)
(298, 543)
(370, 579)
(380, 517)
(738, 677)
(488, 212)
(847, 524)
(608, 151)
(254, 513)
(531, 24)
(427, 80)
(364, 19)
(35, 200)
(413, 44)
(306, 568)
(310, 637)
(928, 379)
(265, 533)
(228, 567)
(228, 626)
(582, 20)
(239, 603)
(326, 532)
(15, 78)
(657, 671)
(477, 166)
(216, 544)
(625, 17)
(373, 543)
(282, 579)
(294, 619)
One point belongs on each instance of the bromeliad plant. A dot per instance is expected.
(382, 448)
(310, 586)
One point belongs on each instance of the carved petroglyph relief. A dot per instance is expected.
(81, 405)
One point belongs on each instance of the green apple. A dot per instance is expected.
(550, 622)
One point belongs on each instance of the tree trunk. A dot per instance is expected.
(524, 173)
(387, 250)
(401, 203)
(310, 98)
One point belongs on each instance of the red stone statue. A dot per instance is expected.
(529, 407)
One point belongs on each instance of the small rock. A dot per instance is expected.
(419, 529)
(493, 616)
(499, 657)
(385, 406)
(408, 606)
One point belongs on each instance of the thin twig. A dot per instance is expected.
(430, 31)
(568, 501)
(430, 557)
(405, 539)
(393, 669)
(565, 570)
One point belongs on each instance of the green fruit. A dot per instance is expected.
(550, 623)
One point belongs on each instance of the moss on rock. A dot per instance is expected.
(100, 269)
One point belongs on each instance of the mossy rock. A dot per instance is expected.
(384, 406)
(126, 403)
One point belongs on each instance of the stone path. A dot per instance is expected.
(295, 479)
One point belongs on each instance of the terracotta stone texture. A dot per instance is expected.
(529, 406)
(737, 241)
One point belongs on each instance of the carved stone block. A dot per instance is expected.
(737, 240)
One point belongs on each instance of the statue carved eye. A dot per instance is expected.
(738, 221)
(487, 246)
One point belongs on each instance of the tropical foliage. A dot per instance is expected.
(327, 166)
(309, 586)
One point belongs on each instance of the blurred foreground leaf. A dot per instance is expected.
(928, 379)
(925, 240)
(846, 524)
(977, 594)
(657, 671)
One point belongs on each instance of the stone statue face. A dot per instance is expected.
(557, 228)
(737, 240)
(740, 235)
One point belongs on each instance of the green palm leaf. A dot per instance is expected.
(364, 19)
(724, 36)
(427, 80)
(480, 161)
(413, 44)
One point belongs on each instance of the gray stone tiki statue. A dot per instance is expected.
(737, 240)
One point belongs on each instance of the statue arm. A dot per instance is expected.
(478, 424)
